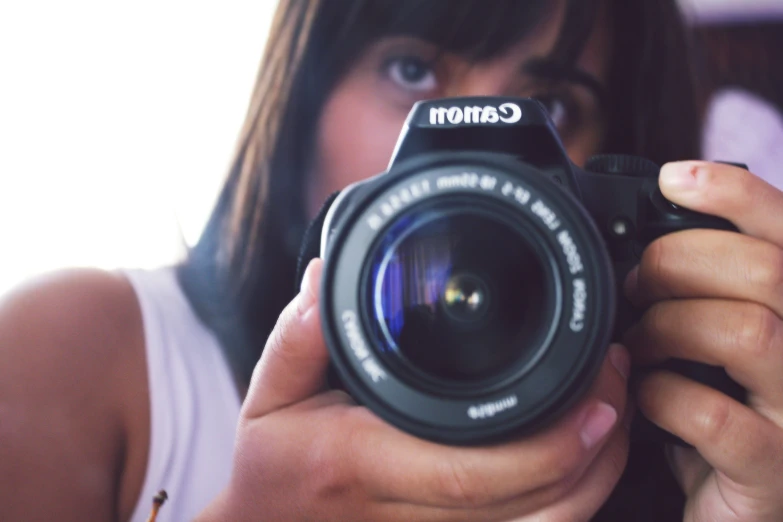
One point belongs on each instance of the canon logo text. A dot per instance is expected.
(506, 113)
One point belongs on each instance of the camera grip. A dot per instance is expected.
(664, 218)
(712, 376)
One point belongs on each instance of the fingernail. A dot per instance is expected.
(680, 175)
(308, 290)
(597, 423)
(621, 360)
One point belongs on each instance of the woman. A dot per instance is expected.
(117, 388)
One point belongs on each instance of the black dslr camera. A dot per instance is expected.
(470, 292)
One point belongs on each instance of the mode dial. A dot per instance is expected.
(623, 165)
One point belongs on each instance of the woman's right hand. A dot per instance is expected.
(305, 453)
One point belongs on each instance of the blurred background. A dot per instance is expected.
(118, 119)
(117, 123)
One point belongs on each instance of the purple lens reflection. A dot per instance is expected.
(458, 296)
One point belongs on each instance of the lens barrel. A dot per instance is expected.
(466, 298)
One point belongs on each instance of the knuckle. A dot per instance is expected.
(655, 259)
(777, 272)
(768, 275)
(458, 485)
(758, 331)
(655, 321)
(715, 419)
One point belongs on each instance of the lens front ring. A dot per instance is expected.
(422, 325)
(583, 330)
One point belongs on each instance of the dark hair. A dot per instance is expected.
(240, 274)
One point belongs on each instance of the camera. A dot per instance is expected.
(469, 293)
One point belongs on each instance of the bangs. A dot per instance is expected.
(477, 30)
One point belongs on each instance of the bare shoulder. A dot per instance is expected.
(74, 405)
(70, 305)
(69, 328)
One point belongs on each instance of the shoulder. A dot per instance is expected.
(75, 325)
(73, 382)
(71, 303)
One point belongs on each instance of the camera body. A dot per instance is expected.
(470, 291)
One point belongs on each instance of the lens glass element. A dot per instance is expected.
(459, 296)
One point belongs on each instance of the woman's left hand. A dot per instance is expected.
(717, 297)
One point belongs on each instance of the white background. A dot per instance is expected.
(118, 120)
(117, 124)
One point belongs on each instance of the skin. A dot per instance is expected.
(735, 472)
(74, 402)
(362, 119)
(74, 370)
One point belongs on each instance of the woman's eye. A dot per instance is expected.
(411, 73)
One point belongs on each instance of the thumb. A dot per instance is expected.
(293, 365)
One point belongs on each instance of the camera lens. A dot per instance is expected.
(458, 296)
(465, 297)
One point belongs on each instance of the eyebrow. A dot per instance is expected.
(548, 69)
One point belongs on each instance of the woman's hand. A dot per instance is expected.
(717, 297)
(304, 453)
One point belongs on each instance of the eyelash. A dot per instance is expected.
(570, 105)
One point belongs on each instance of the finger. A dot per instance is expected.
(583, 498)
(593, 488)
(753, 205)
(430, 475)
(709, 264)
(294, 362)
(328, 477)
(743, 337)
(406, 468)
(734, 439)
(689, 468)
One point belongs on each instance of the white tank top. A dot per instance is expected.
(194, 402)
